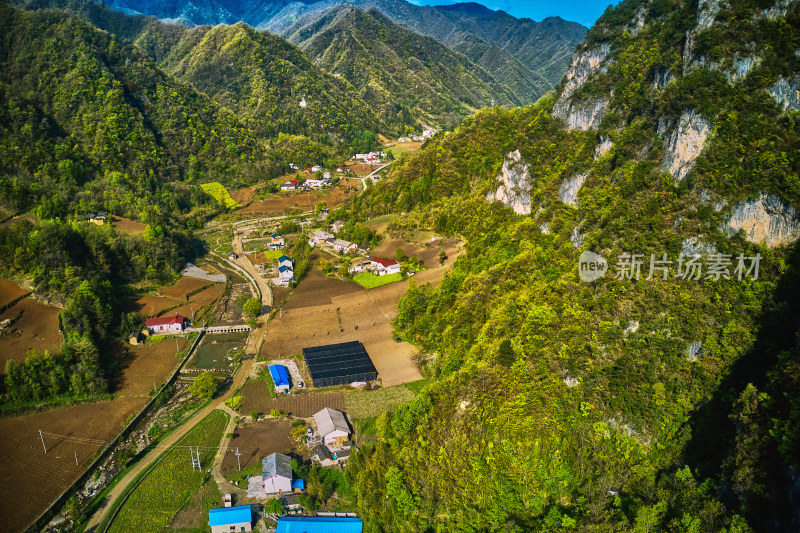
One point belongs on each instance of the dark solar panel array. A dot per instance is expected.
(339, 364)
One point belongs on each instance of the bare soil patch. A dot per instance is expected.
(127, 225)
(258, 440)
(9, 291)
(144, 367)
(303, 201)
(201, 299)
(35, 327)
(244, 196)
(256, 398)
(327, 311)
(149, 304)
(318, 289)
(30, 479)
(182, 287)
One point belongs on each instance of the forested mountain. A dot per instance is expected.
(400, 73)
(658, 397)
(527, 58)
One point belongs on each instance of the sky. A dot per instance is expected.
(585, 12)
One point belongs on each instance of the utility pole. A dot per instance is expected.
(76, 458)
(41, 437)
(237, 458)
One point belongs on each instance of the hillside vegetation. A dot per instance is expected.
(646, 404)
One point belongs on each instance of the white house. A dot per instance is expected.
(276, 471)
(337, 226)
(166, 324)
(316, 168)
(276, 242)
(285, 275)
(326, 175)
(286, 261)
(343, 246)
(385, 266)
(293, 166)
(315, 184)
(332, 427)
(321, 236)
(290, 185)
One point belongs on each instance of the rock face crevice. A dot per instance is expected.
(586, 114)
(684, 145)
(769, 220)
(515, 184)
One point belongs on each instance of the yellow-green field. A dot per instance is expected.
(220, 194)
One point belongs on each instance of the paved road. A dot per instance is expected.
(251, 352)
(121, 487)
(371, 175)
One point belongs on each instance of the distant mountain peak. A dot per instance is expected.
(468, 8)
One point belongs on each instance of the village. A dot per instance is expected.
(299, 382)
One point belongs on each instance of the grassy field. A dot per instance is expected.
(274, 254)
(367, 404)
(171, 484)
(220, 194)
(371, 281)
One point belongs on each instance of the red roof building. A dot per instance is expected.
(294, 182)
(165, 323)
(385, 263)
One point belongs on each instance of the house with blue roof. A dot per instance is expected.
(227, 519)
(280, 377)
(319, 524)
(286, 261)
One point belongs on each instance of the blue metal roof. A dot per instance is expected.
(279, 375)
(319, 524)
(298, 484)
(225, 516)
(283, 258)
(284, 269)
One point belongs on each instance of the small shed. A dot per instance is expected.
(134, 338)
(280, 377)
(298, 486)
(226, 519)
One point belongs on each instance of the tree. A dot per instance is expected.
(400, 255)
(321, 205)
(505, 354)
(204, 385)
(442, 257)
(275, 506)
(252, 307)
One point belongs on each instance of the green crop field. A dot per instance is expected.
(220, 194)
(371, 281)
(170, 485)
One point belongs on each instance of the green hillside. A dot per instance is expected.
(623, 404)
(398, 72)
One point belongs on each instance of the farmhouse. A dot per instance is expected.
(316, 168)
(290, 185)
(385, 266)
(343, 246)
(338, 225)
(227, 519)
(339, 364)
(166, 324)
(319, 524)
(285, 260)
(285, 274)
(320, 237)
(276, 242)
(315, 184)
(280, 377)
(276, 471)
(332, 427)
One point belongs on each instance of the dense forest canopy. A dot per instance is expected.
(645, 404)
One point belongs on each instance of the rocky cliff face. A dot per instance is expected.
(787, 93)
(514, 189)
(568, 192)
(768, 220)
(587, 114)
(685, 144)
